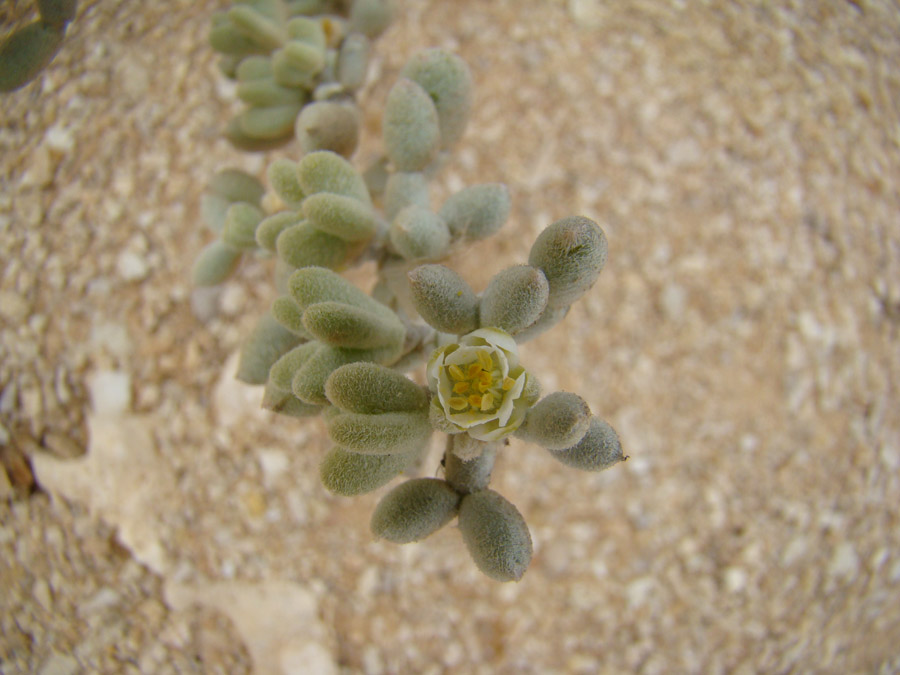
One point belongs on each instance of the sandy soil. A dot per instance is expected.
(743, 340)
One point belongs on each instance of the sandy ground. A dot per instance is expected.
(743, 340)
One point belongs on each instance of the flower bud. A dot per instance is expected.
(495, 534)
(414, 509)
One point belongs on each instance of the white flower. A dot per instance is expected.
(479, 386)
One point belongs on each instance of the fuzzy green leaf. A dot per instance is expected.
(514, 299)
(313, 285)
(57, 12)
(599, 449)
(282, 372)
(235, 134)
(343, 217)
(373, 389)
(269, 228)
(412, 136)
(264, 346)
(419, 234)
(264, 92)
(307, 31)
(495, 534)
(256, 27)
(477, 212)
(558, 421)
(353, 61)
(270, 122)
(302, 245)
(309, 381)
(254, 68)
(241, 220)
(444, 299)
(283, 178)
(341, 325)
(290, 316)
(349, 473)
(414, 509)
(26, 52)
(215, 264)
(571, 253)
(405, 189)
(447, 80)
(384, 434)
(326, 171)
(370, 17)
(326, 125)
(235, 185)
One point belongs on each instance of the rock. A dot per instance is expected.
(110, 392)
(278, 621)
(131, 266)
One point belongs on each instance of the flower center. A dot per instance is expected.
(478, 385)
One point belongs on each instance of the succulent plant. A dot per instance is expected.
(326, 347)
(297, 64)
(26, 52)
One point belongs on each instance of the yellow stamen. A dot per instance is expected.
(461, 387)
(456, 372)
(487, 402)
(508, 383)
(483, 387)
(475, 400)
(474, 369)
(458, 403)
(484, 359)
(485, 378)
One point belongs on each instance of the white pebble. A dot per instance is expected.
(131, 267)
(110, 392)
(844, 562)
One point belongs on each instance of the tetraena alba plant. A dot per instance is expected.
(326, 347)
(26, 52)
(300, 57)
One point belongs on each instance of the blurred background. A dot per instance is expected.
(743, 160)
